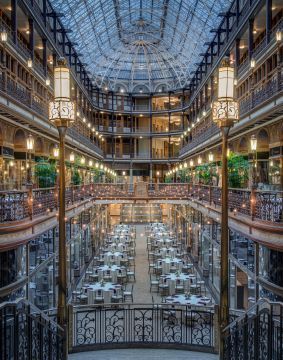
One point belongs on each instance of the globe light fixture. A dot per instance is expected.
(90, 163)
(82, 160)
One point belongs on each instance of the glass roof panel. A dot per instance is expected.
(141, 42)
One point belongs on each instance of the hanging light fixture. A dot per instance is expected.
(30, 142)
(253, 143)
(3, 36)
(56, 151)
(191, 163)
(252, 63)
(72, 157)
(82, 160)
(199, 160)
(47, 82)
(210, 156)
(29, 63)
(90, 163)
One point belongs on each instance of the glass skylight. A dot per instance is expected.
(142, 44)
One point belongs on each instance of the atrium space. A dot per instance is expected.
(141, 179)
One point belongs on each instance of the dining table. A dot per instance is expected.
(183, 299)
(107, 288)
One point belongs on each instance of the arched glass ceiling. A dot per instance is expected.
(141, 45)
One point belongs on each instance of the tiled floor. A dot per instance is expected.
(142, 354)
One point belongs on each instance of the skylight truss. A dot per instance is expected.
(144, 44)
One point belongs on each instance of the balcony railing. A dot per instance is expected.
(28, 334)
(258, 334)
(25, 97)
(259, 95)
(261, 205)
(125, 325)
(256, 204)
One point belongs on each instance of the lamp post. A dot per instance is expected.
(62, 115)
(225, 113)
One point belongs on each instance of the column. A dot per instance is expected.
(31, 37)
(251, 38)
(14, 20)
(268, 19)
(150, 173)
(44, 11)
(44, 56)
(218, 42)
(131, 177)
(54, 28)
(237, 11)
(237, 53)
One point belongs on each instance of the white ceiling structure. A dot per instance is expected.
(141, 45)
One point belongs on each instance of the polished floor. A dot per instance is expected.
(142, 354)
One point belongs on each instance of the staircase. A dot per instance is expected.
(257, 334)
(28, 334)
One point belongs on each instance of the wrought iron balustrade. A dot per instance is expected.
(28, 334)
(258, 334)
(259, 94)
(180, 191)
(13, 205)
(258, 204)
(143, 325)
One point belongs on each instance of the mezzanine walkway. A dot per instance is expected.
(142, 354)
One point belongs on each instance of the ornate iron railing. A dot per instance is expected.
(257, 204)
(261, 93)
(261, 205)
(258, 334)
(28, 334)
(123, 325)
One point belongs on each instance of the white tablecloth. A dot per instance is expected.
(107, 289)
(191, 300)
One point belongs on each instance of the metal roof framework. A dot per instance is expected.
(141, 44)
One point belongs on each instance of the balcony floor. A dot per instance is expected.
(142, 354)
